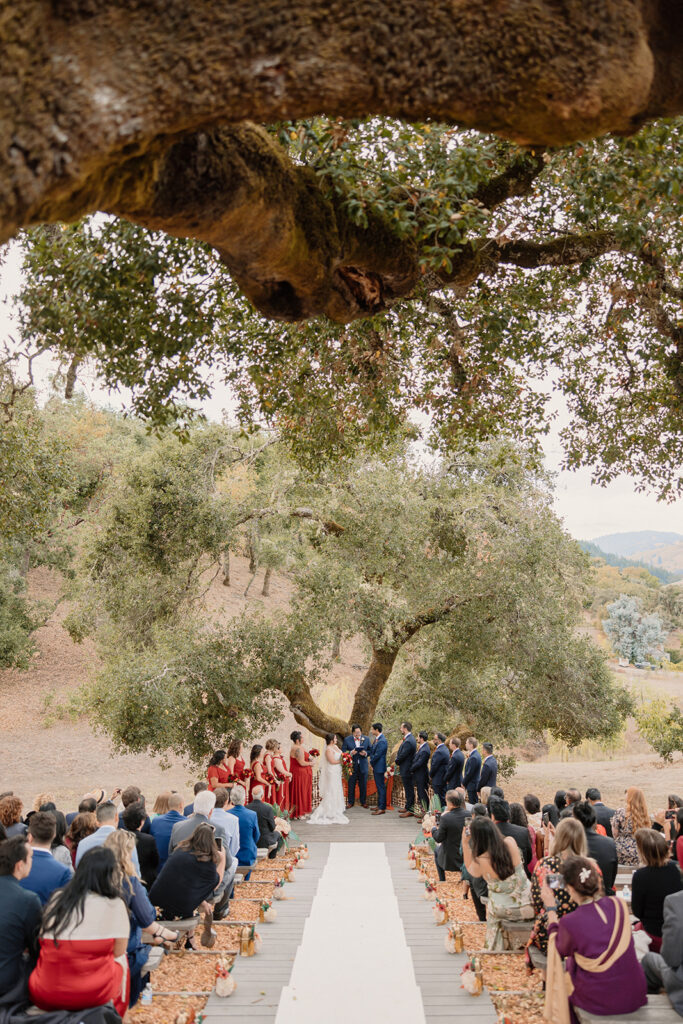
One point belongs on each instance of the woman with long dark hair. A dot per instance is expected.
(234, 760)
(282, 774)
(83, 940)
(59, 850)
(301, 789)
(217, 772)
(496, 859)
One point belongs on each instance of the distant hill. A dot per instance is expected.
(630, 545)
(630, 563)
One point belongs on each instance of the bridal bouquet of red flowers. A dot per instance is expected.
(269, 779)
(389, 773)
(347, 764)
(313, 752)
(246, 774)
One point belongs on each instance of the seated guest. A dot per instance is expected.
(626, 822)
(203, 811)
(651, 884)
(665, 969)
(226, 820)
(82, 825)
(106, 818)
(603, 814)
(596, 944)
(248, 824)
(602, 849)
(554, 809)
(20, 913)
(496, 859)
(448, 834)
(162, 826)
(160, 805)
(189, 878)
(46, 873)
(148, 856)
(268, 834)
(573, 796)
(569, 840)
(83, 941)
(532, 806)
(60, 851)
(518, 817)
(133, 795)
(88, 805)
(199, 787)
(10, 816)
(485, 795)
(142, 913)
(217, 772)
(500, 813)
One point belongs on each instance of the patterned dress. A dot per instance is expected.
(624, 837)
(509, 900)
(565, 904)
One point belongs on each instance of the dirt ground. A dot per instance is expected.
(42, 752)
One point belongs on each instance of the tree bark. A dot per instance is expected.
(119, 107)
(226, 567)
(265, 591)
(370, 690)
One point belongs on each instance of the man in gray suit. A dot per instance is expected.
(203, 806)
(665, 969)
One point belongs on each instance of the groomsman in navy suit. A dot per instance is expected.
(439, 767)
(489, 768)
(378, 760)
(421, 771)
(404, 760)
(455, 765)
(470, 779)
(359, 747)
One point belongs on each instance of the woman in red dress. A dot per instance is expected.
(268, 764)
(282, 775)
(234, 761)
(257, 768)
(83, 941)
(301, 788)
(218, 772)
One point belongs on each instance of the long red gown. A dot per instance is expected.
(282, 790)
(301, 787)
(270, 789)
(257, 766)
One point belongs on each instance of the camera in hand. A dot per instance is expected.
(669, 814)
(555, 881)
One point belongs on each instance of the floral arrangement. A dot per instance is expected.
(412, 859)
(279, 890)
(390, 772)
(313, 752)
(225, 983)
(471, 977)
(440, 911)
(269, 778)
(246, 773)
(430, 890)
(283, 826)
(428, 823)
(347, 764)
(454, 940)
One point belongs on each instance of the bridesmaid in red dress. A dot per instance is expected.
(301, 789)
(283, 776)
(234, 760)
(257, 767)
(218, 772)
(271, 746)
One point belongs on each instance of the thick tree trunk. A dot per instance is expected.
(307, 713)
(119, 107)
(336, 647)
(370, 690)
(226, 567)
(265, 592)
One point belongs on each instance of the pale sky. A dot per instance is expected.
(587, 510)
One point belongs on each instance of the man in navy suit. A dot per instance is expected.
(455, 765)
(489, 768)
(404, 760)
(439, 766)
(420, 772)
(359, 747)
(470, 779)
(378, 760)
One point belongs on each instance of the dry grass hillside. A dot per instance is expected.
(40, 751)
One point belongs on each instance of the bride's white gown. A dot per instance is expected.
(330, 810)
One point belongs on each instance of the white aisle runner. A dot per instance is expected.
(353, 958)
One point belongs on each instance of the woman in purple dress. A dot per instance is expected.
(601, 972)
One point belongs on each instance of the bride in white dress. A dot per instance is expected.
(330, 810)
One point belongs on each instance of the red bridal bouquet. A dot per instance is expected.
(347, 764)
(269, 779)
(313, 752)
(246, 773)
(232, 778)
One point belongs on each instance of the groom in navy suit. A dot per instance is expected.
(378, 760)
(359, 747)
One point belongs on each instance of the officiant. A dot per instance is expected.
(358, 746)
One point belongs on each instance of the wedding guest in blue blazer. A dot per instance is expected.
(439, 766)
(162, 826)
(46, 874)
(378, 760)
(455, 765)
(470, 779)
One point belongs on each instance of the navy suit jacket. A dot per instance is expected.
(249, 834)
(162, 826)
(406, 753)
(489, 773)
(378, 754)
(421, 760)
(439, 766)
(360, 764)
(470, 779)
(454, 770)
